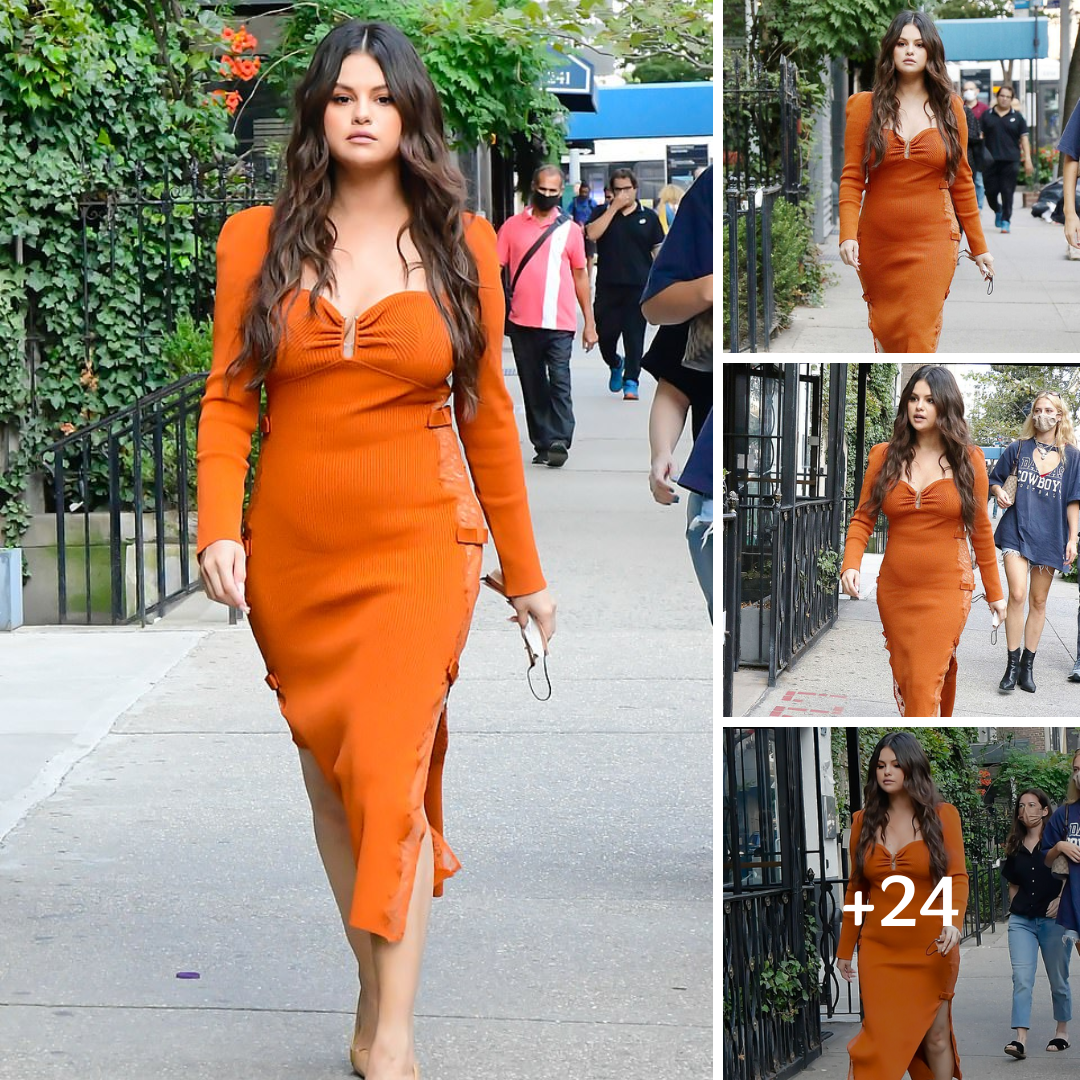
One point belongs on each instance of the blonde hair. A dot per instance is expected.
(1064, 434)
(670, 193)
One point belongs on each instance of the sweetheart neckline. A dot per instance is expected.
(371, 307)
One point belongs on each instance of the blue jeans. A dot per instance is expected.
(1026, 937)
(980, 195)
(699, 529)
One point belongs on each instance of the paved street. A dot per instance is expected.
(1034, 307)
(981, 1017)
(153, 822)
(846, 672)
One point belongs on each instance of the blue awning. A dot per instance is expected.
(994, 39)
(647, 111)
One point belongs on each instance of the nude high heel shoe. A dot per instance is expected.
(358, 1056)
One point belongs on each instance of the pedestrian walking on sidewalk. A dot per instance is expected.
(975, 139)
(905, 147)
(1034, 895)
(1069, 146)
(1006, 141)
(544, 251)
(930, 482)
(628, 236)
(678, 296)
(907, 971)
(581, 209)
(354, 300)
(1037, 533)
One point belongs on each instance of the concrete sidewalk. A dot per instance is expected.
(847, 673)
(981, 1015)
(156, 824)
(1035, 305)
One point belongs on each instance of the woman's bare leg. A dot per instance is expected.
(937, 1045)
(1040, 589)
(397, 967)
(1016, 573)
(335, 847)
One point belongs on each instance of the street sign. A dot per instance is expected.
(571, 74)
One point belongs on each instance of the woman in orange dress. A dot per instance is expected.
(930, 481)
(905, 146)
(362, 301)
(907, 973)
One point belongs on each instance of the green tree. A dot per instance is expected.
(1004, 395)
(880, 413)
(663, 69)
(812, 31)
(971, 9)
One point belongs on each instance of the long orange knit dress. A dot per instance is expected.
(900, 986)
(909, 239)
(926, 580)
(364, 541)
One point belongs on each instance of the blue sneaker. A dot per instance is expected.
(1004, 226)
(997, 220)
(615, 382)
(630, 390)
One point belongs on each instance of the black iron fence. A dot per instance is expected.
(122, 487)
(762, 159)
(128, 560)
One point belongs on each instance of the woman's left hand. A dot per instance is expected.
(985, 263)
(1000, 606)
(949, 937)
(541, 606)
(1070, 552)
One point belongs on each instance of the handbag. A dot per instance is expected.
(1009, 487)
(509, 283)
(1060, 866)
(699, 342)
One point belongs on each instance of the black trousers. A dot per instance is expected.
(617, 309)
(1000, 182)
(542, 358)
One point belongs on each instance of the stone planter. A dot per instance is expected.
(11, 598)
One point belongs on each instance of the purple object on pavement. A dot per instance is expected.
(187, 975)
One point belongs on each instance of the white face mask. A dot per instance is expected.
(970, 95)
(1044, 422)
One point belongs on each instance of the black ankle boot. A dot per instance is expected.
(1026, 678)
(1012, 666)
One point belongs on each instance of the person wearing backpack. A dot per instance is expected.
(543, 250)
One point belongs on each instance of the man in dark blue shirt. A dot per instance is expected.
(581, 210)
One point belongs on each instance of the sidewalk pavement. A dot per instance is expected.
(1035, 304)
(153, 822)
(847, 673)
(981, 1015)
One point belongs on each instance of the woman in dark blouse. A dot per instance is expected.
(1034, 893)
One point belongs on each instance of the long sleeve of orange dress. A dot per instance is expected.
(903, 212)
(901, 987)
(926, 580)
(364, 540)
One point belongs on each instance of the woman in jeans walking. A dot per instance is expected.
(1034, 895)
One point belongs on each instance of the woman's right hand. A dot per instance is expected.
(662, 479)
(223, 569)
(850, 582)
(849, 253)
(1003, 500)
(845, 969)
(1072, 229)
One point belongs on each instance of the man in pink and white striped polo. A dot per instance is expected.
(542, 319)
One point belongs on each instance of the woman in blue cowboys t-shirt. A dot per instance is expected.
(1037, 535)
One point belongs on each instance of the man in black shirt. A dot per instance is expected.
(627, 236)
(1006, 141)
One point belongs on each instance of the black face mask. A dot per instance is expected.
(545, 202)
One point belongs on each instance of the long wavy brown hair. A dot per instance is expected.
(301, 231)
(885, 105)
(925, 799)
(1018, 833)
(900, 452)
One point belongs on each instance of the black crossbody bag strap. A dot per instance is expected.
(560, 220)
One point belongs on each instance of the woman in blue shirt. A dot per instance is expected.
(1037, 535)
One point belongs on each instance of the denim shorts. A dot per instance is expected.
(1033, 566)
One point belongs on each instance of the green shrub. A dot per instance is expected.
(799, 274)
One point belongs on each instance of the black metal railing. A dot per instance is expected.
(123, 494)
(748, 219)
(732, 597)
(878, 538)
(768, 1035)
